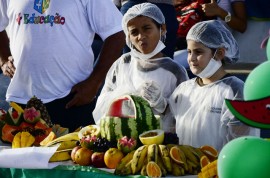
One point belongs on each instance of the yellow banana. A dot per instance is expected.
(189, 154)
(126, 170)
(63, 155)
(193, 168)
(67, 137)
(161, 165)
(152, 153)
(70, 144)
(143, 171)
(177, 170)
(16, 143)
(198, 153)
(16, 107)
(138, 158)
(123, 168)
(164, 153)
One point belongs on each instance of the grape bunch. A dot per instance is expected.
(170, 138)
(102, 145)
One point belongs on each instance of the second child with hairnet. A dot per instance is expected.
(198, 104)
(145, 70)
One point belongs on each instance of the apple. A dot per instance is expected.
(74, 150)
(246, 157)
(112, 157)
(97, 159)
(83, 156)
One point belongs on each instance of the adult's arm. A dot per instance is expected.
(6, 61)
(238, 19)
(86, 90)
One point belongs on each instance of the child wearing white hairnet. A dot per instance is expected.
(198, 104)
(145, 70)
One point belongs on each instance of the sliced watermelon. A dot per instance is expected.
(13, 117)
(255, 113)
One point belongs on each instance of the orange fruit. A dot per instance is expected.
(210, 152)
(112, 157)
(177, 155)
(153, 170)
(83, 156)
(204, 161)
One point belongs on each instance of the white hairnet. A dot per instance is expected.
(144, 9)
(214, 34)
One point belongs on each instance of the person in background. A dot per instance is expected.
(167, 8)
(49, 54)
(145, 71)
(232, 13)
(198, 104)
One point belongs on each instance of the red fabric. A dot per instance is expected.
(188, 15)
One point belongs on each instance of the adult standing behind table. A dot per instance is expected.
(50, 53)
(232, 13)
(202, 117)
(167, 8)
(145, 71)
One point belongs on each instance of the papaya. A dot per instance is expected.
(8, 132)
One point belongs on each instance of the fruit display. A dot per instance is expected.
(117, 124)
(19, 120)
(133, 145)
(161, 160)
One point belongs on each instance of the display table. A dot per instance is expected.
(66, 171)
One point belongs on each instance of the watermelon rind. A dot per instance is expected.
(245, 120)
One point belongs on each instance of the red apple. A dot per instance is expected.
(73, 152)
(98, 159)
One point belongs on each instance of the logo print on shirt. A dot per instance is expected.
(41, 5)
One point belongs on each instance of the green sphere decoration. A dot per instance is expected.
(257, 84)
(245, 157)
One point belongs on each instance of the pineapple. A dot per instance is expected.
(38, 105)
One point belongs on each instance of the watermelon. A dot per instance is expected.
(116, 124)
(13, 117)
(255, 113)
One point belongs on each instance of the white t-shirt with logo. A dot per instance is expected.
(50, 41)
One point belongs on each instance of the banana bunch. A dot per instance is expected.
(177, 160)
(23, 139)
(65, 145)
